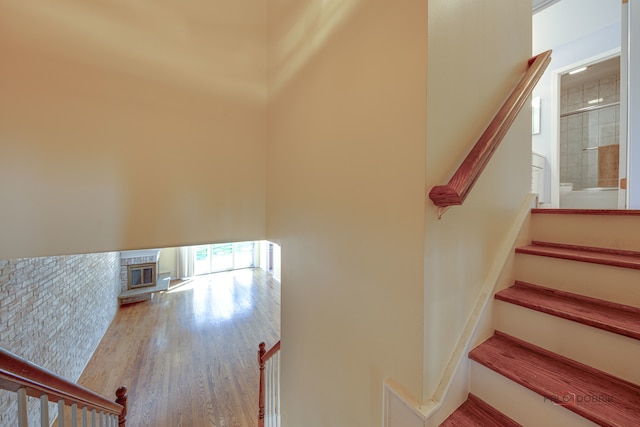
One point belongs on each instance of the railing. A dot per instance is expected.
(29, 380)
(456, 191)
(269, 397)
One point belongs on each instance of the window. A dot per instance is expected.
(221, 257)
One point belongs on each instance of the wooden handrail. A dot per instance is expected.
(18, 373)
(269, 354)
(456, 191)
(263, 356)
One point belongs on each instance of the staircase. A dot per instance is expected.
(566, 346)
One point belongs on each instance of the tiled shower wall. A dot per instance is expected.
(54, 311)
(578, 132)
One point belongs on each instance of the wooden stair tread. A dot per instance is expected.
(609, 316)
(474, 412)
(613, 212)
(617, 258)
(593, 394)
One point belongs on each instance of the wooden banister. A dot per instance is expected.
(17, 373)
(456, 191)
(269, 354)
(121, 399)
(263, 356)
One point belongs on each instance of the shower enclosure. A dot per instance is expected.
(590, 136)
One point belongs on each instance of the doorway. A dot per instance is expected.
(590, 135)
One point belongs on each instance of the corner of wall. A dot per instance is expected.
(454, 383)
(399, 408)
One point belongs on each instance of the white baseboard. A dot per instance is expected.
(399, 408)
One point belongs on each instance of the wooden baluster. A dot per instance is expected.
(261, 353)
(23, 420)
(74, 415)
(44, 411)
(121, 399)
(278, 409)
(84, 416)
(60, 413)
(274, 389)
(269, 392)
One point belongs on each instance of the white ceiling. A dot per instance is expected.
(594, 72)
(538, 5)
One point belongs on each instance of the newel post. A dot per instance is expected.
(261, 353)
(121, 399)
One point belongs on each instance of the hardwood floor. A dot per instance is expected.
(188, 356)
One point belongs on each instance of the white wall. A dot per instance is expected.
(129, 126)
(168, 262)
(264, 259)
(570, 20)
(466, 86)
(345, 200)
(277, 262)
(573, 37)
(634, 105)
(263, 254)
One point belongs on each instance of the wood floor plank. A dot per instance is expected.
(188, 356)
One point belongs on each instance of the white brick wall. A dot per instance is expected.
(54, 311)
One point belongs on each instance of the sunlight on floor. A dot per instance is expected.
(219, 296)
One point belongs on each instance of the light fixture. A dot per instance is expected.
(578, 70)
(595, 101)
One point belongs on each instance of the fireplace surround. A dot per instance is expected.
(138, 269)
(141, 275)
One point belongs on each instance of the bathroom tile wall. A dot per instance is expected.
(582, 133)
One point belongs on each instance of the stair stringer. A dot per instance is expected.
(402, 410)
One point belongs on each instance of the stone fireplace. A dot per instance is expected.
(141, 275)
(138, 269)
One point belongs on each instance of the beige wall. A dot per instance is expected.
(477, 53)
(345, 200)
(100, 106)
(127, 126)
